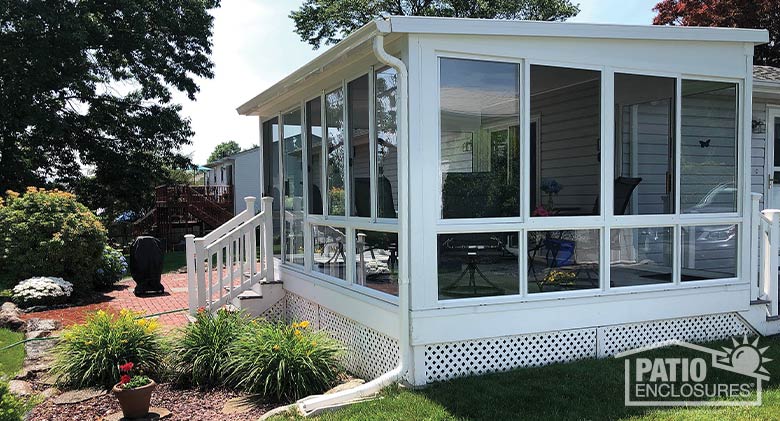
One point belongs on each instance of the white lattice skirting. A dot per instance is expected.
(455, 359)
(369, 354)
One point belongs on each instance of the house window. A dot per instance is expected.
(328, 250)
(386, 85)
(567, 103)
(292, 216)
(314, 130)
(334, 118)
(644, 145)
(376, 264)
(477, 265)
(708, 252)
(480, 121)
(359, 146)
(271, 177)
(708, 163)
(641, 256)
(563, 260)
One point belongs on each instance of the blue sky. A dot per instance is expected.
(255, 46)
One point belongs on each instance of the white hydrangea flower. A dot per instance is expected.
(42, 288)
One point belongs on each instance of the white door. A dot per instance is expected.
(773, 163)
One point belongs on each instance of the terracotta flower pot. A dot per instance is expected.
(135, 402)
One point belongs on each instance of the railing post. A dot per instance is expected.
(755, 235)
(771, 259)
(200, 257)
(268, 238)
(192, 286)
(250, 246)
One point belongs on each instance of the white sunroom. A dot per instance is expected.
(458, 196)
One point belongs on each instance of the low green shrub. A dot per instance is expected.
(200, 354)
(283, 362)
(49, 233)
(89, 354)
(12, 408)
(112, 267)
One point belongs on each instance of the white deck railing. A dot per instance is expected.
(764, 254)
(230, 259)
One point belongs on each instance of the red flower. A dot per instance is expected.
(201, 310)
(124, 379)
(126, 367)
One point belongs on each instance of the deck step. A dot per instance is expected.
(759, 301)
(772, 318)
(249, 295)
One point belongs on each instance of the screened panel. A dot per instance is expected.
(329, 251)
(314, 129)
(641, 256)
(480, 126)
(644, 145)
(271, 177)
(292, 155)
(709, 252)
(386, 85)
(566, 154)
(334, 118)
(708, 163)
(478, 265)
(563, 260)
(376, 260)
(360, 151)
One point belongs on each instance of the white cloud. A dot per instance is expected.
(255, 46)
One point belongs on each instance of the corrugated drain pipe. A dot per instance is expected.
(316, 404)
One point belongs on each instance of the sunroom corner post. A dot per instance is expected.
(749, 201)
(191, 282)
(268, 238)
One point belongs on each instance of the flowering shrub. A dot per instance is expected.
(47, 232)
(42, 291)
(283, 362)
(113, 266)
(89, 354)
(201, 353)
(130, 381)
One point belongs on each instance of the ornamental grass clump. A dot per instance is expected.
(89, 354)
(283, 362)
(201, 353)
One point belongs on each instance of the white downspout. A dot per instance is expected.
(316, 404)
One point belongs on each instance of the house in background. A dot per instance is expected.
(240, 172)
(765, 128)
(458, 196)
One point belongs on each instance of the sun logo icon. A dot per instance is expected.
(745, 358)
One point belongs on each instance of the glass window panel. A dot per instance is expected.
(314, 129)
(328, 251)
(480, 123)
(376, 260)
(640, 256)
(271, 178)
(360, 152)
(334, 117)
(709, 252)
(566, 107)
(563, 260)
(644, 145)
(292, 154)
(708, 163)
(478, 265)
(387, 143)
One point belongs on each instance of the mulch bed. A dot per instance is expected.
(184, 405)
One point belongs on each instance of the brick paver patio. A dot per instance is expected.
(122, 296)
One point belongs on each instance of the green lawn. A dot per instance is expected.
(174, 260)
(583, 390)
(11, 359)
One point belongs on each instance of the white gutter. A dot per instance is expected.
(315, 404)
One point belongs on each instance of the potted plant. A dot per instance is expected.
(134, 392)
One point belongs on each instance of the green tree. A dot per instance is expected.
(321, 22)
(224, 149)
(87, 85)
